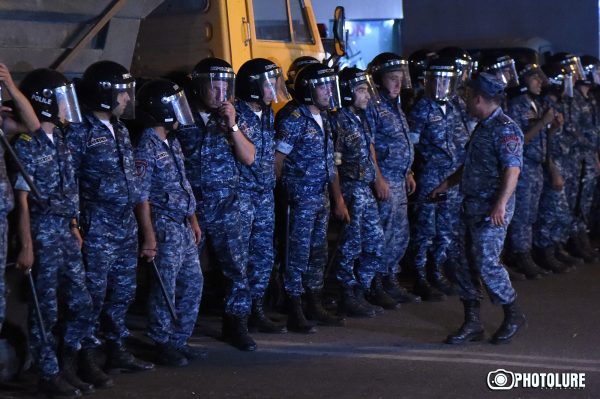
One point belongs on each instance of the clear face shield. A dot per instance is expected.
(325, 93)
(215, 88)
(568, 84)
(505, 70)
(273, 87)
(67, 103)
(464, 70)
(181, 108)
(123, 98)
(573, 65)
(440, 85)
(593, 72)
(363, 90)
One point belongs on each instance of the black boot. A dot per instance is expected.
(57, 387)
(68, 367)
(168, 355)
(546, 259)
(121, 360)
(296, 320)
(235, 331)
(427, 292)
(396, 291)
(523, 262)
(471, 329)
(577, 248)
(317, 312)
(562, 255)
(441, 283)
(351, 307)
(587, 245)
(515, 275)
(260, 322)
(192, 352)
(378, 296)
(514, 319)
(91, 372)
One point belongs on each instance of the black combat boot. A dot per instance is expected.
(260, 322)
(192, 352)
(514, 319)
(515, 275)
(235, 331)
(426, 291)
(523, 262)
(378, 296)
(396, 291)
(317, 312)
(587, 246)
(68, 367)
(359, 294)
(57, 387)
(351, 307)
(545, 258)
(441, 283)
(119, 359)
(296, 320)
(577, 248)
(562, 255)
(471, 329)
(168, 355)
(90, 371)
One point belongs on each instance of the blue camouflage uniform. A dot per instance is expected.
(108, 190)
(6, 206)
(395, 155)
(58, 269)
(214, 176)
(162, 182)
(307, 171)
(526, 111)
(496, 144)
(257, 203)
(362, 238)
(442, 136)
(554, 217)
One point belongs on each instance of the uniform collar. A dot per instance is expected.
(493, 115)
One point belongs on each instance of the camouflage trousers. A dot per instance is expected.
(554, 217)
(362, 238)
(3, 248)
(60, 284)
(110, 253)
(179, 266)
(394, 221)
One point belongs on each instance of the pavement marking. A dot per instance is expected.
(441, 356)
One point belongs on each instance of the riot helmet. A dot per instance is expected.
(386, 63)
(163, 103)
(572, 63)
(418, 63)
(504, 68)
(317, 85)
(357, 88)
(463, 63)
(528, 71)
(560, 80)
(52, 96)
(591, 74)
(296, 65)
(108, 86)
(261, 80)
(213, 82)
(440, 79)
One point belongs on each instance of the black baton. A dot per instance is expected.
(36, 303)
(164, 291)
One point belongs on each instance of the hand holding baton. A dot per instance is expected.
(164, 291)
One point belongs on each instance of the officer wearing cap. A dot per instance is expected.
(488, 181)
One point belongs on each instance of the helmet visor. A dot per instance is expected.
(505, 70)
(124, 100)
(181, 108)
(363, 91)
(273, 87)
(440, 85)
(573, 64)
(68, 106)
(215, 88)
(568, 83)
(464, 70)
(325, 93)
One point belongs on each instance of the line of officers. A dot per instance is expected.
(203, 173)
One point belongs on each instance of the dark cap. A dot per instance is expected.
(488, 84)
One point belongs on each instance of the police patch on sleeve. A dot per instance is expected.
(511, 143)
(140, 167)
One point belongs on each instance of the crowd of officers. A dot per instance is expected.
(468, 158)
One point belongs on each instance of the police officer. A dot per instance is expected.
(260, 83)
(304, 162)
(103, 159)
(395, 155)
(169, 229)
(441, 135)
(528, 112)
(213, 148)
(488, 181)
(49, 234)
(359, 255)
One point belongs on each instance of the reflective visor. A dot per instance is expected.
(181, 108)
(573, 64)
(68, 105)
(440, 85)
(505, 70)
(273, 85)
(325, 93)
(124, 100)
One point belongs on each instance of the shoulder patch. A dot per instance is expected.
(296, 114)
(140, 167)
(25, 137)
(511, 143)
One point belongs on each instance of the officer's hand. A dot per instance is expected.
(442, 188)
(5, 77)
(341, 212)
(557, 182)
(227, 112)
(411, 184)
(548, 116)
(75, 231)
(25, 259)
(148, 249)
(382, 189)
(196, 230)
(498, 214)
(559, 119)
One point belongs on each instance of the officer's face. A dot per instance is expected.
(268, 89)
(122, 101)
(392, 82)
(216, 93)
(323, 93)
(472, 100)
(361, 96)
(534, 84)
